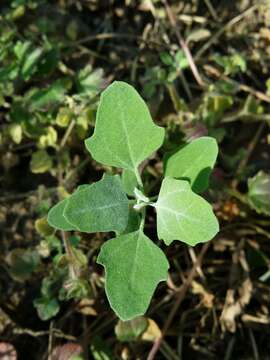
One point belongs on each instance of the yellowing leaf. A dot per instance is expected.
(152, 331)
(40, 162)
(43, 228)
(49, 139)
(15, 131)
(131, 329)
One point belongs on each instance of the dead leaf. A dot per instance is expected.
(207, 298)
(7, 351)
(66, 351)
(152, 332)
(85, 307)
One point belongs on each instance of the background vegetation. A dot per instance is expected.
(55, 59)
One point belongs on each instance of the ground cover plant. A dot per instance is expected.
(202, 70)
(124, 137)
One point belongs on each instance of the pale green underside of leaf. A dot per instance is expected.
(101, 207)
(259, 193)
(125, 134)
(194, 162)
(56, 214)
(183, 215)
(134, 266)
(57, 219)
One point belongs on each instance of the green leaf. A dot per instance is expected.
(46, 307)
(134, 266)
(29, 65)
(125, 134)
(15, 132)
(28, 58)
(56, 214)
(181, 60)
(166, 58)
(194, 162)
(55, 93)
(232, 64)
(22, 263)
(183, 215)
(57, 219)
(43, 228)
(134, 220)
(90, 81)
(64, 117)
(48, 139)
(259, 192)
(100, 350)
(101, 207)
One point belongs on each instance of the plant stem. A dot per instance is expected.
(138, 177)
(143, 213)
(69, 252)
(67, 133)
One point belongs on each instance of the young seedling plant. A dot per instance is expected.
(124, 137)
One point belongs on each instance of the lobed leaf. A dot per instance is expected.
(134, 266)
(100, 207)
(125, 134)
(183, 215)
(194, 162)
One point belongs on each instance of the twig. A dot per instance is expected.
(73, 271)
(67, 133)
(215, 37)
(239, 292)
(109, 36)
(183, 44)
(258, 94)
(74, 171)
(250, 149)
(245, 116)
(50, 342)
(253, 344)
(56, 332)
(211, 10)
(180, 296)
(230, 348)
(27, 194)
(194, 260)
